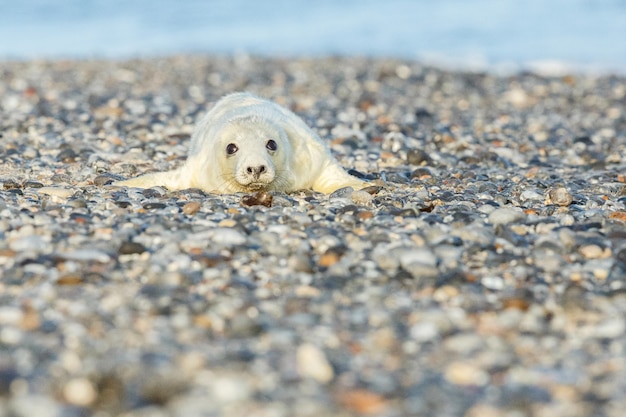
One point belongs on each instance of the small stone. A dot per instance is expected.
(86, 255)
(101, 180)
(363, 401)
(9, 184)
(33, 405)
(33, 184)
(417, 157)
(421, 174)
(361, 197)
(154, 192)
(312, 363)
(226, 236)
(260, 198)
(505, 215)
(56, 192)
(306, 291)
(364, 215)
(10, 315)
(344, 192)
(530, 195)
(130, 248)
(559, 196)
(372, 189)
(618, 215)
(493, 283)
(328, 259)
(67, 155)
(461, 373)
(191, 208)
(70, 279)
(79, 392)
(594, 252)
(154, 206)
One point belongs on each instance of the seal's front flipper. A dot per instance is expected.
(169, 180)
(333, 177)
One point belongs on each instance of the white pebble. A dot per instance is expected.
(34, 406)
(80, 392)
(29, 243)
(10, 315)
(505, 215)
(56, 192)
(227, 236)
(86, 255)
(312, 363)
(530, 195)
(361, 197)
(493, 283)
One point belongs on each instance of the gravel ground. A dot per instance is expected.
(484, 274)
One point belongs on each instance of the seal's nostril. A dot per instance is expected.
(256, 171)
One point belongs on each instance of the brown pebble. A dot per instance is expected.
(30, 318)
(559, 196)
(9, 184)
(362, 401)
(421, 173)
(260, 198)
(70, 279)
(210, 260)
(372, 189)
(191, 207)
(618, 215)
(515, 303)
(332, 256)
(328, 259)
(364, 215)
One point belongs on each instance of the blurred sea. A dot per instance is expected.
(548, 35)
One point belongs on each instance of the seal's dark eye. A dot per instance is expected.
(231, 148)
(271, 145)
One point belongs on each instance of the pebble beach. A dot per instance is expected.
(482, 273)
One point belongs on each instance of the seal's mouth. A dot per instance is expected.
(256, 186)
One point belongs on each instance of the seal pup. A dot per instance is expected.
(247, 144)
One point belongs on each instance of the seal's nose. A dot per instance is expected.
(256, 171)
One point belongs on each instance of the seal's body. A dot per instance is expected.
(247, 144)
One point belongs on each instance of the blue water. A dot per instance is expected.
(583, 34)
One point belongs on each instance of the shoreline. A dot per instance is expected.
(485, 277)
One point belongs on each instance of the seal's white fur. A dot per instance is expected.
(301, 160)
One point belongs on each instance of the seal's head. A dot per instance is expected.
(254, 154)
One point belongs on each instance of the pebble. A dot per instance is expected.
(130, 248)
(191, 208)
(505, 215)
(417, 157)
(227, 236)
(34, 405)
(312, 363)
(57, 192)
(560, 196)
(29, 243)
(460, 373)
(260, 198)
(361, 197)
(80, 392)
(86, 255)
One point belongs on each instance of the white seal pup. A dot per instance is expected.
(247, 144)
